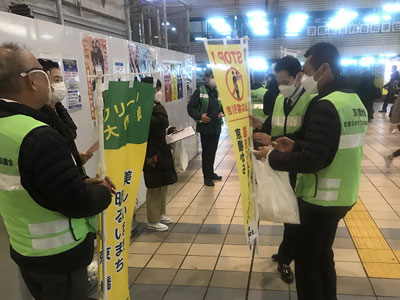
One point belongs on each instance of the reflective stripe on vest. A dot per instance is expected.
(337, 184)
(10, 183)
(351, 141)
(282, 124)
(49, 243)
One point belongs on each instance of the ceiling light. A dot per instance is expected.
(221, 26)
(392, 7)
(372, 19)
(342, 19)
(295, 24)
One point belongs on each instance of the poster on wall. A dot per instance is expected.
(173, 81)
(71, 79)
(95, 54)
(142, 59)
(189, 67)
(118, 67)
(167, 82)
(133, 58)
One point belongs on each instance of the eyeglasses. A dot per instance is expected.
(24, 74)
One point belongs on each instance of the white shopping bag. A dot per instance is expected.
(274, 195)
(181, 159)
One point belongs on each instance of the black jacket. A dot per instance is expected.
(50, 176)
(61, 121)
(159, 167)
(317, 141)
(194, 111)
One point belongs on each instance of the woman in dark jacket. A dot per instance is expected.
(159, 171)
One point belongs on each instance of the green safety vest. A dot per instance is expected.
(282, 124)
(257, 103)
(34, 230)
(337, 184)
(204, 100)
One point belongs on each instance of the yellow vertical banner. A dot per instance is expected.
(230, 72)
(127, 115)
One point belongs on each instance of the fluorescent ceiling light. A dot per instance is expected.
(342, 19)
(387, 17)
(221, 26)
(295, 24)
(372, 19)
(367, 61)
(392, 7)
(259, 26)
(173, 29)
(348, 62)
(258, 64)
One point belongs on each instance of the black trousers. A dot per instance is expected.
(396, 153)
(287, 247)
(388, 99)
(315, 267)
(60, 286)
(209, 145)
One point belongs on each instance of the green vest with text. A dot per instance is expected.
(337, 184)
(34, 230)
(282, 124)
(204, 100)
(257, 103)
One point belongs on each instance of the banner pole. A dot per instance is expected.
(102, 171)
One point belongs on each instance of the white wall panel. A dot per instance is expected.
(54, 41)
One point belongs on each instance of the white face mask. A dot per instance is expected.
(287, 90)
(212, 82)
(59, 93)
(49, 95)
(309, 84)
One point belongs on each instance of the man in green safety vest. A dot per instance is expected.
(326, 153)
(287, 117)
(258, 91)
(206, 109)
(49, 208)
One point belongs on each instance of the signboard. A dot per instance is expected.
(230, 73)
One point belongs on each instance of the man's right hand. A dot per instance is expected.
(106, 182)
(205, 119)
(256, 123)
(283, 144)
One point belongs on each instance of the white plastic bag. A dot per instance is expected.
(274, 195)
(181, 159)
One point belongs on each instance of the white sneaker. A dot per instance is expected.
(165, 220)
(157, 227)
(388, 160)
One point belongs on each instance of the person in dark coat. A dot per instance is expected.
(206, 109)
(59, 118)
(159, 170)
(368, 93)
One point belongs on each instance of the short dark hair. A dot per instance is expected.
(208, 73)
(158, 85)
(324, 53)
(289, 64)
(48, 64)
(12, 64)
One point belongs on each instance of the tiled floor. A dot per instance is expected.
(204, 254)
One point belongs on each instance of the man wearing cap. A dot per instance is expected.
(206, 109)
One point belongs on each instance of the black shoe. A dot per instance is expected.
(208, 182)
(383, 111)
(287, 274)
(216, 177)
(275, 257)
